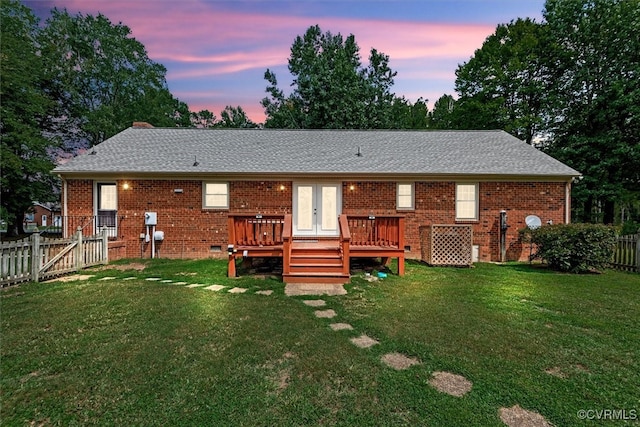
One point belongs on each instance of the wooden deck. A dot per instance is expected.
(311, 260)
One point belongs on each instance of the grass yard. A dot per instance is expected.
(127, 351)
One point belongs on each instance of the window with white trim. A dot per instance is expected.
(215, 195)
(467, 202)
(404, 198)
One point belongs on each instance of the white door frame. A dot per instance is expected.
(316, 206)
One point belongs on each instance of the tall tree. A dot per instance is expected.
(596, 100)
(235, 117)
(203, 119)
(104, 78)
(503, 85)
(441, 115)
(331, 88)
(24, 114)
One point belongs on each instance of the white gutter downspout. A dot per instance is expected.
(567, 203)
(64, 207)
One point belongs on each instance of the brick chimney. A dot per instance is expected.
(142, 125)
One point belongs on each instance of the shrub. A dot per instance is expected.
(577, 248)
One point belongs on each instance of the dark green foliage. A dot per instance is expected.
(24, 116)
(503, 86)
(332, 89)
(576, 248)
(596, 99)
(103, 79)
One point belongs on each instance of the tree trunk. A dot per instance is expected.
(609, 212)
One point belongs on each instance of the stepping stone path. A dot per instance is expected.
(325, 314)
(341, 326)
(446, 382)
(399, 361)
(518, 417)
(364, 341)
(315, 302)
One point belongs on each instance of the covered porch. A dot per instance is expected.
(308, 259)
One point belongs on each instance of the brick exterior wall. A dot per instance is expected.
(193, 232)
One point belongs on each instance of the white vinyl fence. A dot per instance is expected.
(37, 258)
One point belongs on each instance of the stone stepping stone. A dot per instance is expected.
(325, 314)
(315, 302)
(195, 285)
(267, 292)
(152, 279)
(106, 278)
(399, 361)
(180, 283)
(166, 281)
(452, 384)
(215, 287)
(518, 417)
(129, 278)
(364, 341)
(341, 327)
(237, 290)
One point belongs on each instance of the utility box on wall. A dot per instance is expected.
(150, 218)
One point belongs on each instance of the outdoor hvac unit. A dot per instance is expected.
(447, 244)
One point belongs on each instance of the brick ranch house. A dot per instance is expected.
(287, 193)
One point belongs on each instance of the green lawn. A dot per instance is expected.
(137, 352)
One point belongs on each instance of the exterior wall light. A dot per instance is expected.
(125, 186)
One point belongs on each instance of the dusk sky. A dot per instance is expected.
(216, 52)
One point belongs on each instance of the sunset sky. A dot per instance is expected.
(216, 52)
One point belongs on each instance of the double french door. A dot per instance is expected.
(316, 207)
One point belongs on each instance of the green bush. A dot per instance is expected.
(576, 248)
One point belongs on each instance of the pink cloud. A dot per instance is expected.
(197, 39)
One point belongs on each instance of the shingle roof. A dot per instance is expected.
(328, 152)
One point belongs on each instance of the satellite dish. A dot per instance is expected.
(533, 222)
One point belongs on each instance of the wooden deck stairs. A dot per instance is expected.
(316, 262)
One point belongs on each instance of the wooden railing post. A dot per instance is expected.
(35, 257)
(401, 246)
(105, 246)
(287, 231)
(345, 241)
(79, 253)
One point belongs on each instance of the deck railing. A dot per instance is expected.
(256, 230)
(386, 230)
(345, 242)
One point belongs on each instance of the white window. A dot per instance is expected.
(215, 195)
(467, 202)
(107, 205)
(404, 196)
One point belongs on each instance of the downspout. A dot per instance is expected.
(567, 203)
(65, 215)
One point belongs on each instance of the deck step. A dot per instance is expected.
(316, 263)
(317, 277)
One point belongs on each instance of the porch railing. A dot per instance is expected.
(256, 230)
(67, 225)
(386, 230)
